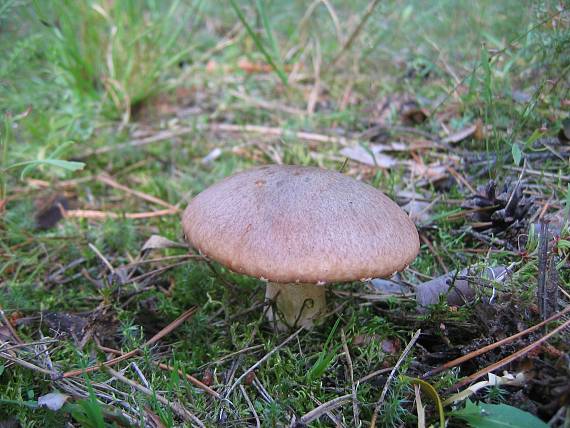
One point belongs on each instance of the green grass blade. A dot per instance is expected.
(259, 44)
(267, 28)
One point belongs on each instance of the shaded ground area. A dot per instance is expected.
(117, 113)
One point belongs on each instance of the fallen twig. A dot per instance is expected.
(490, 240)
(281, 132)
(250, 405)
(137, 263)
(405, 353)
(28, 365)
(374, 374)
(317, 412)
(233, 354)
(176, 407)
(224, 127)
(190, 378)
(102, 257)
(106, 179)
(336, 420)
(508, 359)
(369, 10)
(355, 409)
(165, 331)
(163, 366)
(420, 407)
(540, 173)
(9, 327)
(262, 360)
(154, 272)
(158, 137)
(261, 389)
(492, 346)
(103, 215)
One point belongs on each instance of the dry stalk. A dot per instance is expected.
(165, 331)
(262, 360)
(369, 10)
(191, 379)
(104, 215)
(176, 407)
(355, 408)
(492, 346)
(109, 181)
(510, 358)
(391, 376)
(324, 408)
(250, 405)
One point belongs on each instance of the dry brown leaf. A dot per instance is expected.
(432, 172)
(383, 111)
(418, 211)
(460, 135)
(53, 401)
(156, 242)
(364, 339)
(455, 286)
(389, 287)
(371, 157)
(49, 211)
(391, 346)
(250, 67)
(412, 114)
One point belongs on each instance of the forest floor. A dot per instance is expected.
(115, 114)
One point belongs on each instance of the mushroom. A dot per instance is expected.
(298, 228)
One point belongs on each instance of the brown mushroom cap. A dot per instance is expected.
(300, 224)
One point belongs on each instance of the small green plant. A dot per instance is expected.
(496, 394)
(482, 415)
(88, 413)
(394, 410)
(326, 356)
(6, 138)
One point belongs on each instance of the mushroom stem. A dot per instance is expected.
(295, 305)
